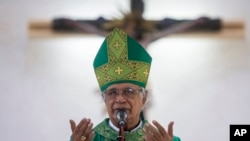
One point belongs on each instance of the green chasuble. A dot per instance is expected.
(103, 132)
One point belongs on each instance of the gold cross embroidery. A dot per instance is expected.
(118, 70)
(117, 45)
(146, 72)
(98, 77)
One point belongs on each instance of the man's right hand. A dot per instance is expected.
(83, 131)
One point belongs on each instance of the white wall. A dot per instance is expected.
(200, 83)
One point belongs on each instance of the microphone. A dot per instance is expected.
(122, 117)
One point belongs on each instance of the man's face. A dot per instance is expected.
(130, 98)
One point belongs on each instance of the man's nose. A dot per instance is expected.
(120, 98)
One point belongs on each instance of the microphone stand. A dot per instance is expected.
(121, 134)
(121, 116)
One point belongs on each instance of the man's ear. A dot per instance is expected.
(103, 97)
(145, 96)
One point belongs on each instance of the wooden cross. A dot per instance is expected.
(133, 23)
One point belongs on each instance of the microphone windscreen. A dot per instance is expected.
(122, 117)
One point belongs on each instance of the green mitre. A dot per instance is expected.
(121, 59)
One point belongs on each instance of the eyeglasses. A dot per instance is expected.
(127, 93)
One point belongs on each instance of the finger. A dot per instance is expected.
(83, 128)
(72, 125)
(160, 128)
(170, 129)
(77, 129)
(147, 135)
(91, 135)
(152, 132)
(88, 130)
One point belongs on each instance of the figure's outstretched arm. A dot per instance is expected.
(88, 28)
(181, 27)
(69, 25)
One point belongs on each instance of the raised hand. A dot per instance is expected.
(83, 131)
(157, 132)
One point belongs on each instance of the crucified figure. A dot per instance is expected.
(133, 23)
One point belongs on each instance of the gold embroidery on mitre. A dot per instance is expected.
(117, 45)
(119, 67)
(118, 70)
(146, 73)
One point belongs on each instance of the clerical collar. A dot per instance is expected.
(117, 129)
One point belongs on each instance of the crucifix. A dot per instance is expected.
(134, 24)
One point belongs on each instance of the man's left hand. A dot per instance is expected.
(157, 132)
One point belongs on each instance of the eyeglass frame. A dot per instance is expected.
(122, 92)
